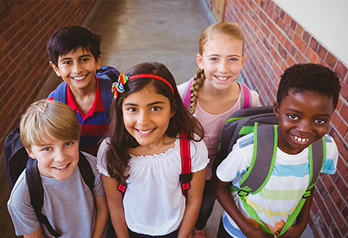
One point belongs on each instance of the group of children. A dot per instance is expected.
(145, 138)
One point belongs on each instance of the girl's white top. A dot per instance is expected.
(153, 202)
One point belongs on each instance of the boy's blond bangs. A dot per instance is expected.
(46, 121)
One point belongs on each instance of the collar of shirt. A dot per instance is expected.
(96, 107)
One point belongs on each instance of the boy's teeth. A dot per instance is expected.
(79, 78)
(62, 167)
(301, 139)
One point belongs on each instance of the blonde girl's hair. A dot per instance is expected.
(226, 28)
(45, 121)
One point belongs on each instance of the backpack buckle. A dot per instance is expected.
(185, 181)
(121, 187)
(243, 193)
(307, 194)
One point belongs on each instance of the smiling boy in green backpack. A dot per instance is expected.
(306, 99)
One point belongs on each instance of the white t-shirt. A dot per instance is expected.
(213, 124)
(153, 202)
(287, 184)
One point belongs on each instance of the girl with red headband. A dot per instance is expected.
(140, 160)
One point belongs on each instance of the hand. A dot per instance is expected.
(259, 233)
(292, 232)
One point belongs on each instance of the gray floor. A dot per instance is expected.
(136, 31)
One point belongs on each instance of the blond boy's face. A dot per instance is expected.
(56, 159)
(78, 69)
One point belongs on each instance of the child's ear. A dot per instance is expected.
(243, 60)
(200, 61)
(98, 62)
(30, 153)
(276, 109)
(55, 68)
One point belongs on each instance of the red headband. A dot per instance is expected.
(122, 80)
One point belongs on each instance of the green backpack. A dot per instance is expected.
(262, 121)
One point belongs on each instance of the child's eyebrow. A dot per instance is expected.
(150, 104)
(227, 56)
(81, 56)
(298, 112)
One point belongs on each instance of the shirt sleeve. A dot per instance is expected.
(199, 155)
(181, 88)
(51, 95)
(330, 162)
(21, 212)
(255, 99)
(238, 160)
(101, 158)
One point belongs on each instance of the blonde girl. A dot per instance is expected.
(214, 94)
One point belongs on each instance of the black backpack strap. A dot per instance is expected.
(185, 154)
(263, 159)
(317, 154)
(36, 194)
(60, 94)
(111, 73)
(86, 172)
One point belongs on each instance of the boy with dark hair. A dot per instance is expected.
(50, 132)
(74, 54)
(306, 99)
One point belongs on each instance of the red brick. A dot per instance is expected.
(331, 60)
(341, 70)
(287, 19)
(299, 43)
(313, 44)
(290, 61)
(305, 37)
(342, 168)
(321, 51)
(338, 123)
(276, 69)
(342, 148)
(299, 30)
(290, 47)
(312, 56)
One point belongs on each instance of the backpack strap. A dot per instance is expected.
(36, 194)
(262, 163)
(186, 97)
(185, 154)
(106, 94)
(246, 99)
(60, 94)
(109, 71)
(36, 190)
(86, 172)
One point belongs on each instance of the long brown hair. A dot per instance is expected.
(226, 28)
(120, 140)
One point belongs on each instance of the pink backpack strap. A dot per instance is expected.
(187, 94)
(185, 154)
(245, 96)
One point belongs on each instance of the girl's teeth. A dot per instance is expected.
(79, 78)
(62, 167)
(301, 139)
(222, 78)
(145, 132)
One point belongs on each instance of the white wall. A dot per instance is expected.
(326, 20)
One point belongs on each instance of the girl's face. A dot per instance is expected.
(222, 61)
(146, 116)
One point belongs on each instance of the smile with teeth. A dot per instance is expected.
(145, 132)
(79, 78)
(222, 78)
(62, 167)
(301, 139)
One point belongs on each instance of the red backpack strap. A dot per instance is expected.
(245, 96)
(122, 188)
(186, 97)
(186, 174)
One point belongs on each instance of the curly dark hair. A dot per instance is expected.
(309, 77)
(70, 38)
(120, 140)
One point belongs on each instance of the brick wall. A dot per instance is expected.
(275, 41)
(25, 27)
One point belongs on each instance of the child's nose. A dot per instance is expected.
(77, 68)
(304, 126)
(60, 156)
(143, 118)
(222, 66)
